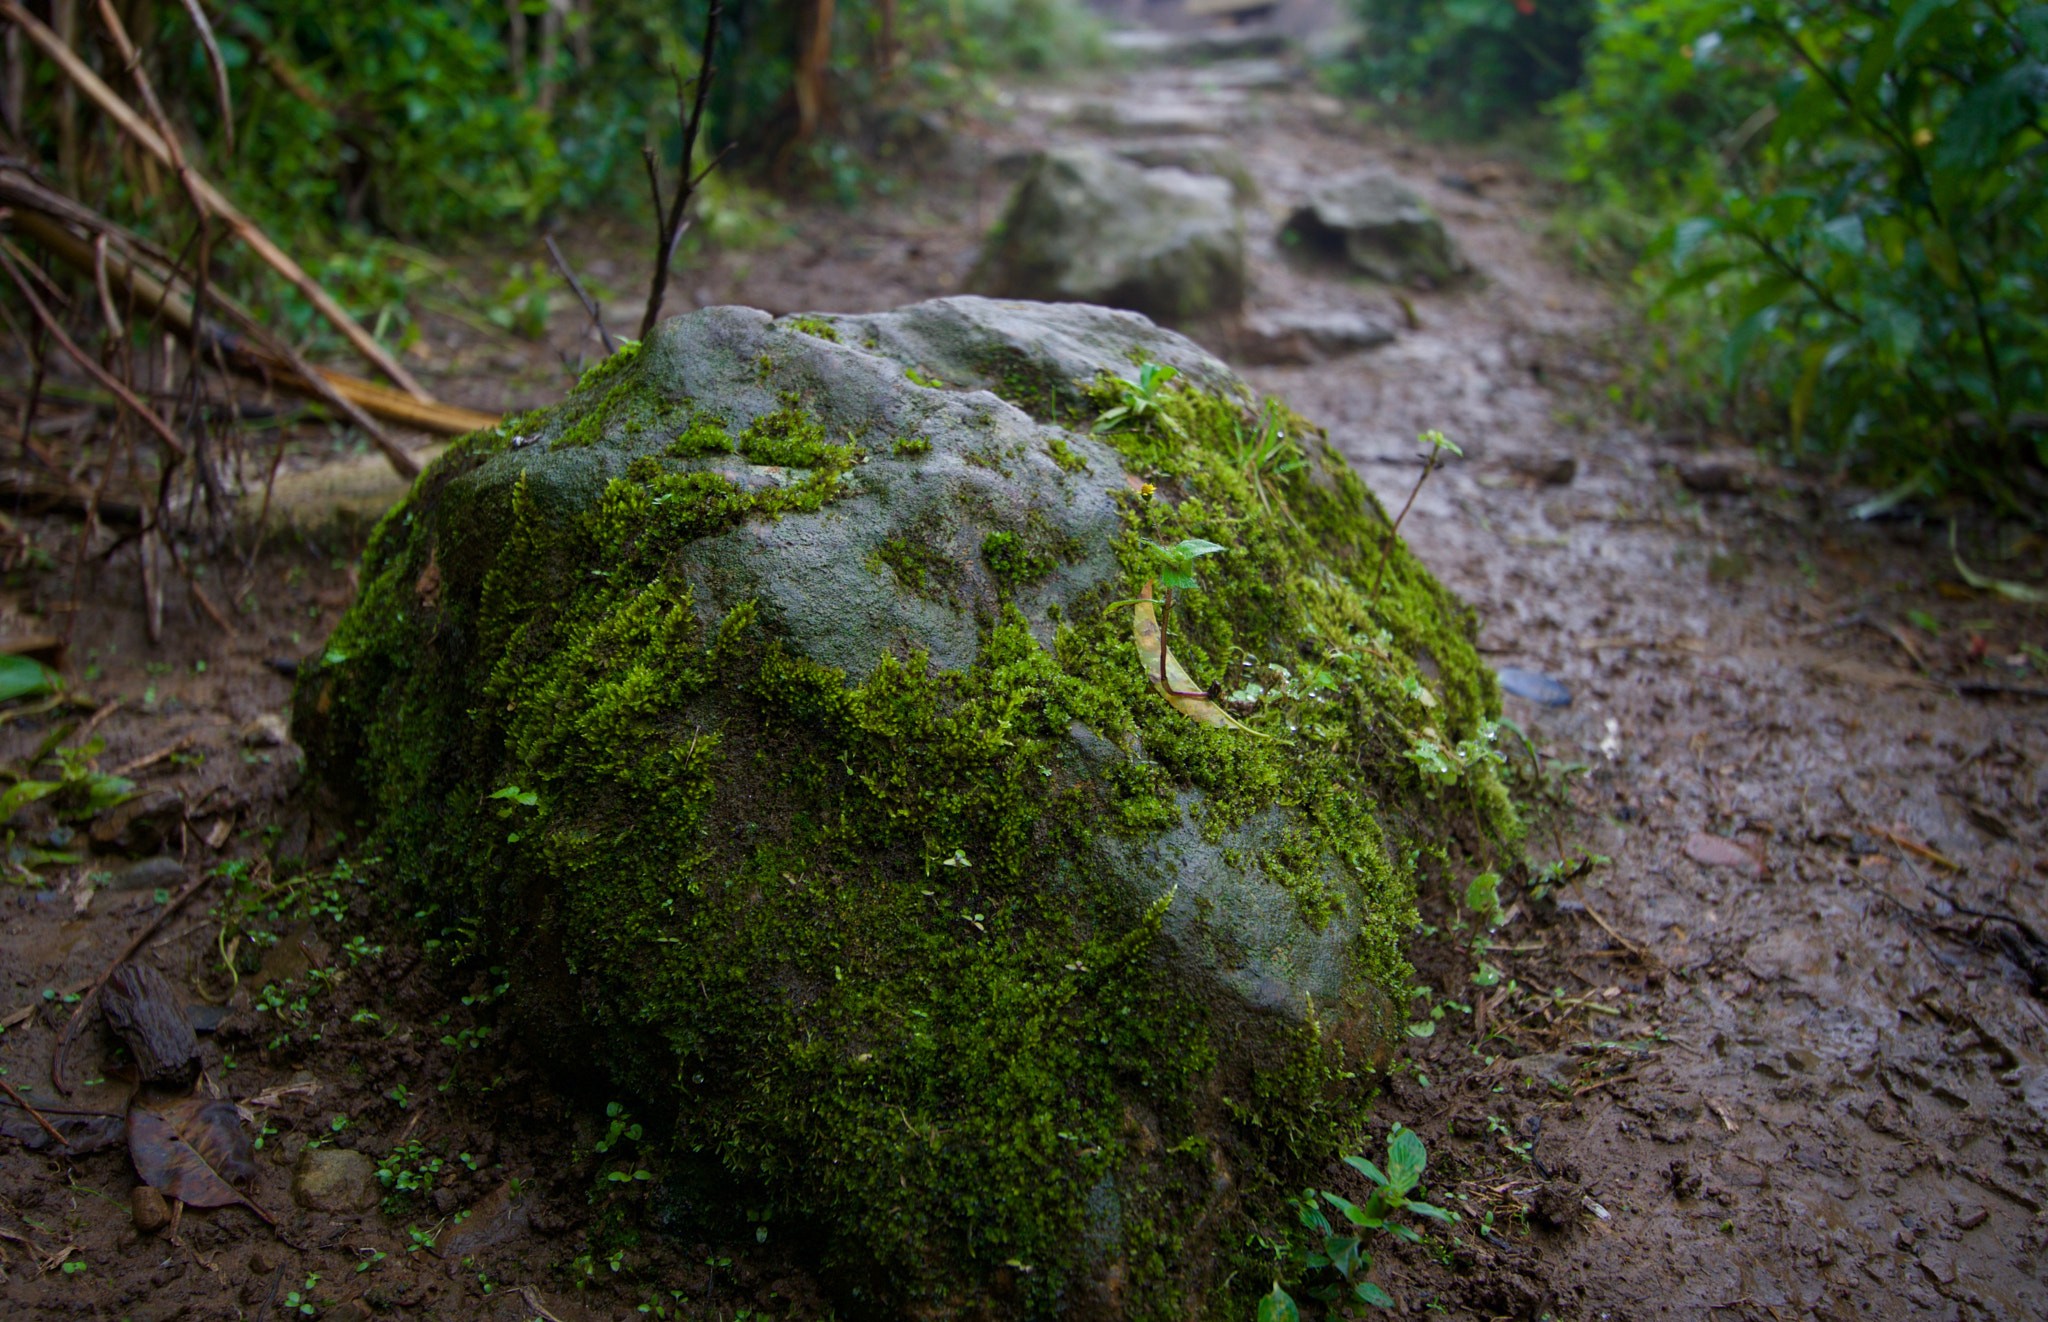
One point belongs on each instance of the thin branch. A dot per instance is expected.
(220, 71)
(87, 361)
(124, 116)
(671, 226)
(589, 304)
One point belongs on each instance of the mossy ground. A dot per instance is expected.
(835, 930)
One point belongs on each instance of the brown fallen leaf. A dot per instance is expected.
(1180, 689)
(190, 1150)
(1716, 851)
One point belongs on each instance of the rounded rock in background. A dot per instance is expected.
(335, 1180)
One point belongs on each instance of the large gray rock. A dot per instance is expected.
(778, 707)
(1372, 220)
(1085, 226)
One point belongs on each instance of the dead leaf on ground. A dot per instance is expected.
(191, 1150)
(82, 1133)
(1716, 851)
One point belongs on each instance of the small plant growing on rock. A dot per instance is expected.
(1267, 454)
(1144, 401)
(1437, 444)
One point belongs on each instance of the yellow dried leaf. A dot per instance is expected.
(1180, 689)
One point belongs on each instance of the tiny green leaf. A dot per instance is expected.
(1278, 1307)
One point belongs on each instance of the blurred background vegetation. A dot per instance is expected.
(1833, 210)
(363, 129)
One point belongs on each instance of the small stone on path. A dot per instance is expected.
(1716, 851)
(335, 1180)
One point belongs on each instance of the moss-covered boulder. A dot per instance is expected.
(768, 711)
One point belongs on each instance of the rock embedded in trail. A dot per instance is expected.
(772, 721)
(1087, 226)
(1376, 224)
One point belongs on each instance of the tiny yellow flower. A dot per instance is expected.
(1146, 491)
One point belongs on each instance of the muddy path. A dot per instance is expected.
(1761, 1061)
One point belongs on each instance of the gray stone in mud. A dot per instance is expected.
(335, 1180)
(1197, 155)
(1299, 338)
(1088, 227)
(1372, 221)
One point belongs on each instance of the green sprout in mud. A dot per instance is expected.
(1144, 401)
(1438, 444)
(1343, 1253)
(1175, 573)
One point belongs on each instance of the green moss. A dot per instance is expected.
(817, 327)
(1041, 392)
(911, 447)
(924, 379)
(1017, 559)
(791, 438)
(1064, 456)
(624, 408)
(920, 564)
(705, 435)
(745, 870)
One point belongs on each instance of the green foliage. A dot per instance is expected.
(1883, 269)
(1333, 1263)
(1142, 402)
(1482, 62)
(79, 791)
(1666, 99)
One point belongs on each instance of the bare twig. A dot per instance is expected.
(220, 71)
(589, 304)
(79, 74)
(671, 225)
(83, 359)
(256, 354)
(34, 1114)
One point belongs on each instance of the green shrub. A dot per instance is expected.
(1666, 102)
(1883, 267)
(1482, 62)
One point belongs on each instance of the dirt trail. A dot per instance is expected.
(1794, 1080)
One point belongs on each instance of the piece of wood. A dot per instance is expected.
(115, 108)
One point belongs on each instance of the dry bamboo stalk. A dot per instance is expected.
(118, 110)
(150, 294)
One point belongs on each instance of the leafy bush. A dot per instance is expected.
(1883, 267)
(1484, 62)
(1666, 101)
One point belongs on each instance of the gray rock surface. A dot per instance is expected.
(1373, 222)
(1197, 154)
(335, 1180)
(1299, 338)
(1085, 226)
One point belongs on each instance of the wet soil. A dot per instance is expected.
(1778, 1053)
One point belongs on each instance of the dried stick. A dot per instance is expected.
(83, 359)
(257, 354)
(77, 1019)
(671, 226)
(34, 1114)
(216, 202)
(589, 304)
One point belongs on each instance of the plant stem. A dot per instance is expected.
(1387, 549)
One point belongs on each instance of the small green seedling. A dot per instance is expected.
(1344, 1253)
(1176, 573)
(1437, 444)
(1144, 401)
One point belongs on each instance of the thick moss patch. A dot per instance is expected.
(994, 976)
